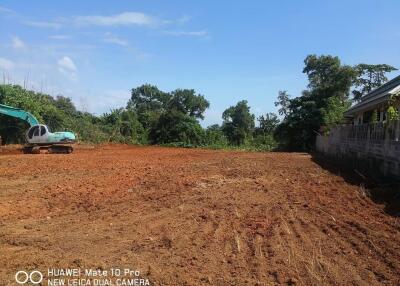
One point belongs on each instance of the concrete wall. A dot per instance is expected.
(370, 148)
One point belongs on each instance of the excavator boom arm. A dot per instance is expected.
(18, 113)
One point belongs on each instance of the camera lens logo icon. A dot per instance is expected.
(35, 277)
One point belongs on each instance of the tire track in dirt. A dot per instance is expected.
(194, 217)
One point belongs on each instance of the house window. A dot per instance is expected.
(367, 116)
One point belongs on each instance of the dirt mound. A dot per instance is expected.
(193, 217)
(10, 149)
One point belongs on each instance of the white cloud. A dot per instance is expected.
(6, 64)
(17, 43)
(183, 19)
(44, 24)
(116, 41)
(67, 67)
(187, 33)
(59, 37)
(127, 18)
(122, 19)
(5, 10)
(109, 38)
(67, 63)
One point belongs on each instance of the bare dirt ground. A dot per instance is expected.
(193, 217)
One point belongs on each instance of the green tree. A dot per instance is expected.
(214, 136)
(267, 124)
(65, 104)
(175, 126)
(328, 77)
(283, 103)
(123, 126)
(324, 102)
(297, 130)
(181, 107)
(263, 138)
(332, 115)
(369, 77)
(149, 103)
(188, 102)
(238, 123)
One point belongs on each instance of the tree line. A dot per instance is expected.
(153, 116)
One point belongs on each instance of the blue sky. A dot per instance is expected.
(96, 51)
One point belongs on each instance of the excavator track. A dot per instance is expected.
(60, 149)
(52, 149)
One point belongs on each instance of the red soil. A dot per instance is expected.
(193, 217)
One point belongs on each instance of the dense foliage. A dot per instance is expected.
(238, 123)
(153, 116)
(58, 113)
(369, 77)
(325, 100)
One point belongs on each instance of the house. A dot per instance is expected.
(371, 149)
(375, 103)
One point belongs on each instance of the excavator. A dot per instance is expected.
(38, 136)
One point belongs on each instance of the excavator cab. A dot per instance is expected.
(37, 134)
